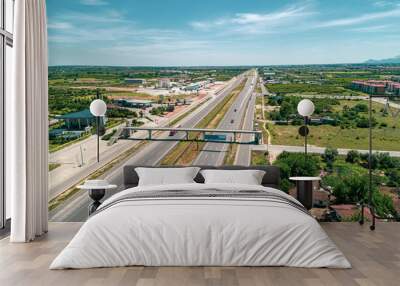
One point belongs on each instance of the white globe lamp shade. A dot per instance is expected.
(306, 107)
(98, 107)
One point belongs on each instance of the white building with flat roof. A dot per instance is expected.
(164, 83)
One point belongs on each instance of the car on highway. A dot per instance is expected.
(173, 132)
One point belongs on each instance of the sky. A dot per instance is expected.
(221, 32)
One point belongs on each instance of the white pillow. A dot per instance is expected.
(248, 177)
(166, 176)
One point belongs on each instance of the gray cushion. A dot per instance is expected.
(270, 179)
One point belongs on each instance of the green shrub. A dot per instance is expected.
(394, 177)
(353, 156)
(108, 136)
(329, 156)
(296, 164)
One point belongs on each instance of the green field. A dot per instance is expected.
(313, 89)
(384, 138)
(259, 158)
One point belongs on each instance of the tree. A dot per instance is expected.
(394, 178)
(352, 187)
(374, 160)
(330, 154)
(286, 110)
(386, 162)
(329, 157)
(295, 164)
(363, 122)
(353, 156)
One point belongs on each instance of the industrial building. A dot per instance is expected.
(134, 103)
(135, 81)
(80, 120)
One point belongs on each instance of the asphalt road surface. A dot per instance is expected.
(213, 154)
(75, 208)
(243, 156)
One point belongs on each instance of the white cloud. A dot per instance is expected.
(108, 36)
(94, 2)
(371, 29)
(59, 25)
(107, 17)
(385, 3)
(113, 35)
(256, 23)
(361, 19)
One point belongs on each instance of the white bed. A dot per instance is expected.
(208, 230)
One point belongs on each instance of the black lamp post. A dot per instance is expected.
(306, 109)
(98, 108)
(370, 203)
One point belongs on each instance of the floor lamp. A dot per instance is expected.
(305, 108)
(98, 108)
(370, 204)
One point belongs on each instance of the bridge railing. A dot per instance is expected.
(192, 135)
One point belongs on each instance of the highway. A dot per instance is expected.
(243, 155)
(214, 153)
(75, 208)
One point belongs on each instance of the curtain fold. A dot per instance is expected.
(27, 124)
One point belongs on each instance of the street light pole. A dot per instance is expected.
(370, 203)
(305, 136)
(306, 109)
(98, 138)
(98, 129)
(98, 108)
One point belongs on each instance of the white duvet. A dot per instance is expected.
(200, 232)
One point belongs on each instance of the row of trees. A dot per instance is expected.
(349, 117)
(160, 110)
(288, 107)
(348, 177)
(120, 113)
(304, 88)
(383, 162)
(66, 100)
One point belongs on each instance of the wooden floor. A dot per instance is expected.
(375, 257)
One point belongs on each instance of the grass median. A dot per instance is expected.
(181, 117)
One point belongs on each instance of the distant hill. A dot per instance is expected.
(395, 60)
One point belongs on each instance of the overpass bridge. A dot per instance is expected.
(190, 135)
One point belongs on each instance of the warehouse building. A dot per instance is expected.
(80, 120)
(135, 81)
(134, 103)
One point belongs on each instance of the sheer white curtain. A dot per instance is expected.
(27, 124)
